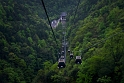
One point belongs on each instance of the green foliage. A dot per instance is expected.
(28, 50)
(104, 79)
(100, 37)
(84, 78)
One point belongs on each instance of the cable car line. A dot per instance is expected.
(49, 21)
(76, 11)
(62, 59)
(78, 58)
(62, 55)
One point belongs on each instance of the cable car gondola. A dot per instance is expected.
(68, 51)
(78, 60)
(61, 63)
(62, 52)
(62, 57)
(71, 55)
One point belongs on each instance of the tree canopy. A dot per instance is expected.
(28, 50)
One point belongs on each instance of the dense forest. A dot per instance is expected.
(28, 50)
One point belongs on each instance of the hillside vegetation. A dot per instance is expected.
(28, 51)
(25, 41)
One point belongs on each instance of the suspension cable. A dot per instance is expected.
(49, 21)
(76, 10)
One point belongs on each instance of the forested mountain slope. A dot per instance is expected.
(97, 31)
(100, 37)
(26, 40)
(28, 51)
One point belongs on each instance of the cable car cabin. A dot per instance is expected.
(63, 47)
(71, 55)
(62, 57)
(62, 52)
(61, 63)
(68, 51)
(78, 60)
(59, 54)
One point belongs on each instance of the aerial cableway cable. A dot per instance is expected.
(57, 46)
(75, 12)
(49, 22)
